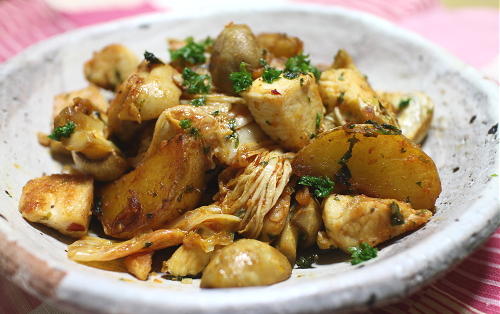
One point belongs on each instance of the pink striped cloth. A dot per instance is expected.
(471, 34)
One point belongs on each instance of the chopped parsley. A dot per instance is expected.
(362, 253)
(233, 136)
(404, 103)
(241, 80)
(195, 83)
(215, 113)
(306, 261)
(396, 216)
(185, 123)
(63, 131)
(340, 98)
(322, 186)
(270, 74)
(300, 64)
(343, 175)
(192, 52)
(494, 175)
(151, 58)
(200, 101)
(384, 129)
(318, 121)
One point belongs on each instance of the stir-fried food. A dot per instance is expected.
(240, 136)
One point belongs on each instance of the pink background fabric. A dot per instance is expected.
(472, 34)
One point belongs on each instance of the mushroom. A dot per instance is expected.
(108, 168)
(234, 45)
(245, 263)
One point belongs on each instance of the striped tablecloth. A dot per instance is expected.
(470, 33)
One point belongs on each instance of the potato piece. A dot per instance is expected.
(415, 111)
(161, 188)
(346, 92)
(91, 92)
(139, 264)
(307, 217)
(60, 201)
(235, 44)
(186, 261)
(143, 96)
(110, 66)
(289, 111)
(280, 44)
(90, 249)
(352, 220)
(385, 166)
(246, 263)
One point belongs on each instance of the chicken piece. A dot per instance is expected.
(253, 191)
(234, 45)
(110, 66)
(143, 96)
(186, 261)
(289, 111)
(352, 220)
(246, 263)
(139, 264)
(347, 94)
(307, 217)
(60, 201)
(91, 249)
(414, 112)
(91, 92)
(164, 186)
(280, 44)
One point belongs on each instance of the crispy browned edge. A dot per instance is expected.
(40, 279)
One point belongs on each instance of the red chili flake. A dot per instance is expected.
(75, 227)
(275, 92)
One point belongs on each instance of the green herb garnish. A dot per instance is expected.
(151, 58)
(385, 129)
(322, 186)
(300, 64)
(396, 216)
(192, 52)
(200, 101)
(195, 83)
(318, 121)
(403, 103)
(306, 261)
(270, 74)
(63, 131)
(233, 136)
(362, 253)
(241, 80)
(185, 123)
(340, 98)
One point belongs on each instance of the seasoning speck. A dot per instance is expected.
(456, 169)
(472, 119)
(493, 129)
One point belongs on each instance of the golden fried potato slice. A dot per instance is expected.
(161, 188)
(139, 264)
(352, 220)
(379, 165)
(60, 201)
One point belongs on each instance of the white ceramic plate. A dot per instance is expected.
(394, 59)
